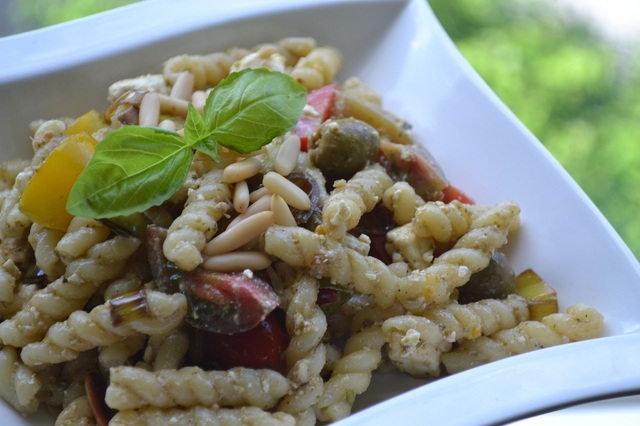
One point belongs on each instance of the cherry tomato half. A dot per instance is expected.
(260, 347)
(452, 193)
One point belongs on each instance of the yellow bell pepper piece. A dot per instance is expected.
(89, 123)
(45, 197)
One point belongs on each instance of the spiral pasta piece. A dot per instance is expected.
(82, 234)
(479, 318)
(300, 401)
(305, 355)
(77, 413)
(198, 222)
(4, 193)
(19, 385)
(351, 374)
(404, 246)
(417, 342)
(9, 275)
(318, 68)
(119, 353)
(351, 199)
(264, 57)
(44, 241)
(306, 323)
(103, 262)
(471, 253)
(22, 293)
(580, 322)
(445, 222)
(148, 82)
(296, 47)
(325, 257)
(166, 351)
(208, 70)
(373, 315)
(201, 416)
(9, 170)
(134, 388)
(401, 199)
(83, 331)
(290, 48)
(130, 281)
(62, 384)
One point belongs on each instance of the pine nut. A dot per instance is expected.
(241, 196)
(149, 110)
(282, 212)
(198, 99)
(183, 86)
(257, 194)
(167, 125)
(237, 261)
(261, 205)
(245, 231)
(173, 106)
(241, 170)
(292, 194)
(287, 157)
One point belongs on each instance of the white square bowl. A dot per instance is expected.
(398, 48)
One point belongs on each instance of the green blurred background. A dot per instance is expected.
(576, 90)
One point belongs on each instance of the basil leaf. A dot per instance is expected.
(135, 168)
(249, 108)
(198, 135)
(132, 169)
(195, 128)
(208, 146)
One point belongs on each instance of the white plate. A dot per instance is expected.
(399, 48)
(623, 411)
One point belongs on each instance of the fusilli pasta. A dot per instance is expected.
(264, 289)
(351, 199)
(78, 413)
(19, 384)
(579, 323)
(133, 388)
(201, 416)
(198, 222)
(83, 331)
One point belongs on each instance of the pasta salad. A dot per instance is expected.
(243, 239)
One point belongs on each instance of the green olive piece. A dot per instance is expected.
(344, 146)
(496, 281)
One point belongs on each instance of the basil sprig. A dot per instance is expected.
(135, 167)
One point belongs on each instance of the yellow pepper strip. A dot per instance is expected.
(45, 197)
(89, 123)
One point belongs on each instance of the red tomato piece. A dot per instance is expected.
(452, 193)
(261, 347)
(321, 100)
(227, 302)
(416, 165)
(327, 296)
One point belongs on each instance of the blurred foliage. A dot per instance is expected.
(31, 14)
(578, 93)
